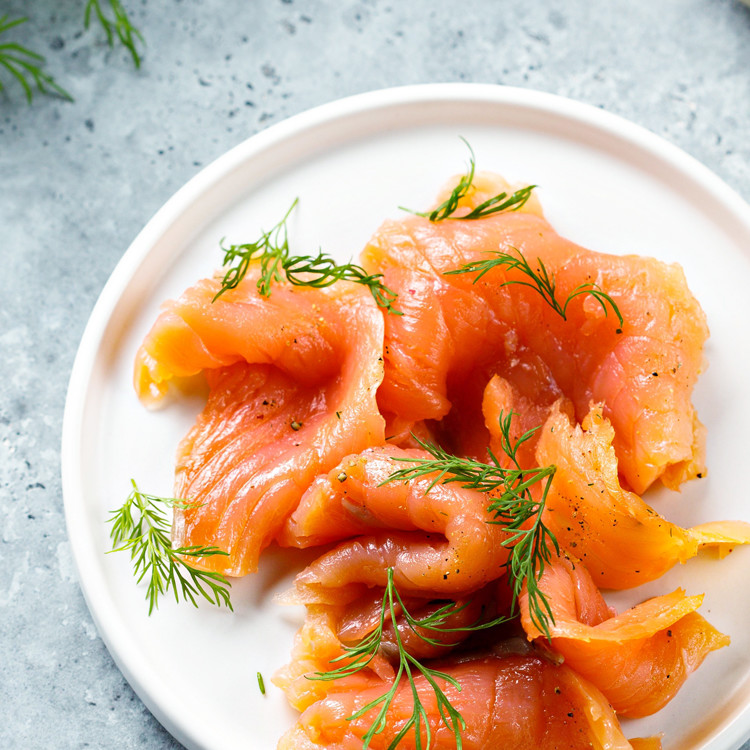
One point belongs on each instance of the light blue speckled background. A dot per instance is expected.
(78, 181)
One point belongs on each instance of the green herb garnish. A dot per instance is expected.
(118, 27)
(26, 66)
(271, 250)
(322, 270)
(261, 684)
(142, 527)
(532, 544)
(495, 205)
(359, 656)
(512, 506)
(541, 281)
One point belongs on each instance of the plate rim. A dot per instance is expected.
(144, 680)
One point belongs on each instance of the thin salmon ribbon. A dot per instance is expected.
(639, 659)
(622, 541)
(436, 539)
(511, 700)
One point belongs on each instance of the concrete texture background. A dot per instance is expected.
(79, 180)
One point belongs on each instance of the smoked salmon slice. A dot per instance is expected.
(455, 335)
(193, 334)
(437, 541)
(639, 659)
(622, 541)
(510, 701)
(327, 627)
(292, 383)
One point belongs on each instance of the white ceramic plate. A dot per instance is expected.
(604, 183)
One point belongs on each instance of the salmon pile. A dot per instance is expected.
(317, 396)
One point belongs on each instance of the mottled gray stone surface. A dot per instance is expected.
(78, 181)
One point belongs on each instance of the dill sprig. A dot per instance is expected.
(446, 209)
(142, 527)
(495, 205)
(26, 66)
(499, 203)
(359, 656)
(512, 506)
(270, 249)
(321, 270)
(542, 281)
(118, 27)
(532, 543)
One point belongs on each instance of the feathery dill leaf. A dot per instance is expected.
(541, 281)
(270, 249)
(321, 270)
(119, 27)
(359, 656)
(532, 544)
(495, 205)
(511, 505)
(450, 204)
(141, 527)
(26, 66)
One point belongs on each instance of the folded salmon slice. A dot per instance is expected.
(292, 383)
(455, 335)
(510, 701)
(500, 401)
(639, 659)
(319, 643)
(287, 329)
(622, 541)
(436, 541)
